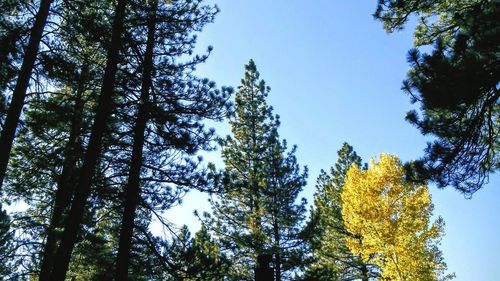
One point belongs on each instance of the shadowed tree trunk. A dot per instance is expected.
(277, 237)
(364, 272)
(277, 257)
(132, 189)
(66, 183)
(103, 112)
(263, 272)
(19, 94)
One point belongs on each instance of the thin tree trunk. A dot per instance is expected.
(364, 272)
(19, 94)
(103, 112)
(132, 189)
(277, 264)
(275, 209)
(66, 183)
(277, 239)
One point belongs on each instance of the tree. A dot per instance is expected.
(95, 254)
(7, 249)
(332, 259)
(80, 210)
(103, 112)
(255, 211)
(12, 29)
(49, 152)
(456, 86)
(285, 181)
(390, 220)
(93, 257)
(167, 126)
(19, 94)
(50, 145)
(132, 190)
(194, 258)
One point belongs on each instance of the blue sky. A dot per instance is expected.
(335, 76)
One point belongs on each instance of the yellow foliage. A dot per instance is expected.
(390, 221)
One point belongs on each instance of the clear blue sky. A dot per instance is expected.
(335, 76)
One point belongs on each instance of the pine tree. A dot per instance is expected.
(284, 183)
(77, 67)
(332, 259)
(49, 147)
(168, 128)
(7, 250)
(94, 256)
(103, 112)
(12, 29)
(132, 190)
(19, 93)
(255, 212)
(193, 258)
(456, 86)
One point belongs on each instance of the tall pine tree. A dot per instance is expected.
(168, 127)
(332, 259)
(19, 93)
(256, 211)
(102, 115)
(49, 146)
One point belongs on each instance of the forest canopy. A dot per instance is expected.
(105, 119)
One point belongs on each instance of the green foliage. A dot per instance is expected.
(255, 200)
(7, 250)
(57, 121)
(12, 28)
(332, 259)
(195, 258)
(93, 258)
(456, 86)
(50, 144)
(255, 211)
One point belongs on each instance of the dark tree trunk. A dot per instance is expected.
(364, 273)
(19, 94)
(132, 189)
(277, 254)
(262, 271)
(103, 112)
(67, 181)
(278, 266)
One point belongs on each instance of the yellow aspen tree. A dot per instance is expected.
(390, 222)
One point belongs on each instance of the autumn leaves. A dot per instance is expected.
(390, 221)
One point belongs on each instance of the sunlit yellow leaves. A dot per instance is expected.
(390, 221)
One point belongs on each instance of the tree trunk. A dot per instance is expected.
(19, 94)
(132, 189)
(103, 112)
(278, 266)
(66, 183)
(364, 272)
(277, 239)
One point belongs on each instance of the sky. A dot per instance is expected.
(335, 76)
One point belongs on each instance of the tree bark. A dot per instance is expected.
(19, 94)
(132, 189)
(103, 112)
(277, 239)
(364, 272)
(67, 181)
(278, 265)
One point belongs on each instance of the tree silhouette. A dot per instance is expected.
(456, 86)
